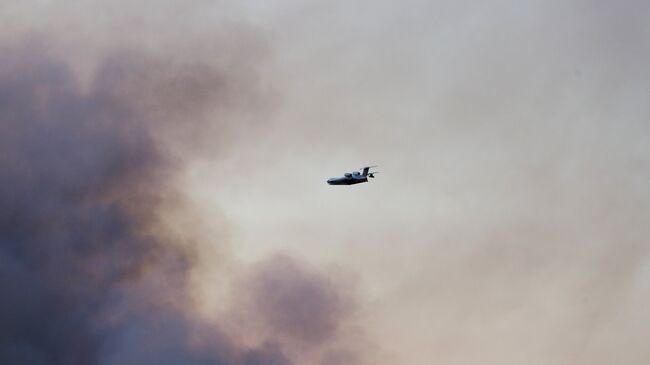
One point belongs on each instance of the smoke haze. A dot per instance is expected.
(508, 223)
(162, 194)
(94, 267)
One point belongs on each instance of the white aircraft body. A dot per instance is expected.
(351, 178)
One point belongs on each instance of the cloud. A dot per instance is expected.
(90, 273)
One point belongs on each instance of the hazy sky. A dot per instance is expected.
(509, 223)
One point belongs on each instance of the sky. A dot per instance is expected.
(184, 147)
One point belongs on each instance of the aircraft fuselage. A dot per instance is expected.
(347, 180)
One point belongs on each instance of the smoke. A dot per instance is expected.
(296, 302)
(510, 225)
(82, 178)
(510, 222)
(89, 271)
(307, 311)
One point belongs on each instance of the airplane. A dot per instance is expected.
(351, 178)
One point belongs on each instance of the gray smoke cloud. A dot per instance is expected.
(89, 273)
(509, 224)
(310, 313)
(80, 176)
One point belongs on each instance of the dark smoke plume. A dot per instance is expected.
(306, 311)
(87, 273)
(294, 301)
(74, 170)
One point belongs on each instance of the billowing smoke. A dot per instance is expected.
(89, 274)
(308, 312)
(296, 302)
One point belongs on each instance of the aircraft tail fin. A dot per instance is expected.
(366, 170)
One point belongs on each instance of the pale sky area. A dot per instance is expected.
(509, 222)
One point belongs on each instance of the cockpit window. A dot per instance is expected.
(347, 174)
